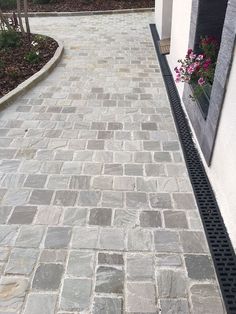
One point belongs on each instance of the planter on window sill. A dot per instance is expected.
(203, 100)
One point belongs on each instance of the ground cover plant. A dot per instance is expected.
(22, 54)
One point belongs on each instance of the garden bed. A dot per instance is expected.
(19, 63)
(89, 5)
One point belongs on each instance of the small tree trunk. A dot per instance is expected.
(26, 18)
(19, 16)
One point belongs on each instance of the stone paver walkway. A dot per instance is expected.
(97, 212)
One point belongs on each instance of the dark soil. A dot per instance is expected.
(89, 5)
(14, 68)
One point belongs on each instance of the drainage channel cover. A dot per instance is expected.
(219, 242)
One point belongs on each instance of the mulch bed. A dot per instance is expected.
(89, 5)
(14, 69)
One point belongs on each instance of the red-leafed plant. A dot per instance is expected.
(199, 69)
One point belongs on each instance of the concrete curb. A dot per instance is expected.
(34, 79)
(82, 13)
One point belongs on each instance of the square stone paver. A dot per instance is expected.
(65, 198)
(140, 267)
(109, 280)
(171, 284)
(76, 294)
(136, 200)
(41, 197)
(160, 200)
(35, 181)
(22, 261)
(40, 303)
(75, 216)
(125, 218)
(140, 240)
(167, 241)
(175, 219)
(199, 267)
(48, 277)
(100, 216)
(206, 297)
(85, 238)
(89, 198)
(108, 305)
(58, 237)
(8, 235)
(141, 298)
(80, 264)
(150, 219)
(23, 215)
(193, 242)
(30, 236)
(112, 239)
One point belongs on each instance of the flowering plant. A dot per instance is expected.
(33, 56)
(199, 69)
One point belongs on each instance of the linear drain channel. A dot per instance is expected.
(220, 245)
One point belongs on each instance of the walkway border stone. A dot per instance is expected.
(34, 79)
(82, 13)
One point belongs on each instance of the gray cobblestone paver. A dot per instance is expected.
(97, 213)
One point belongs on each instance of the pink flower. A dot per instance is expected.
(189, 51)
(178, 78)
(206, 64)
(201, 81)
(176, 70)
(192, 55)
(200, 57)
(191, 69)
(196, 66)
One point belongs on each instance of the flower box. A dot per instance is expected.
(198, 70)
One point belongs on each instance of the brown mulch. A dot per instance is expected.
(14, 69)
(89, 5)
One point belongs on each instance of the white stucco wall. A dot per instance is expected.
(163, 14)
(180, 28)
(222, 172)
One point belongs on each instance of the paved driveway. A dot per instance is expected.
(97, 212)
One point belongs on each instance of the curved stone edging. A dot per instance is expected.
(81, 13)
(34, 79)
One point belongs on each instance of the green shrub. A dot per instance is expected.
(41, 1)
(40, 38)
(7, 4)
(32, 57)
(9, 39)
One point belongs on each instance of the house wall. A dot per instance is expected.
(222, 171)
(180, 28)
(163, 13)
(206, 127)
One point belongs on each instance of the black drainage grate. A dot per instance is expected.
(220, 245)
